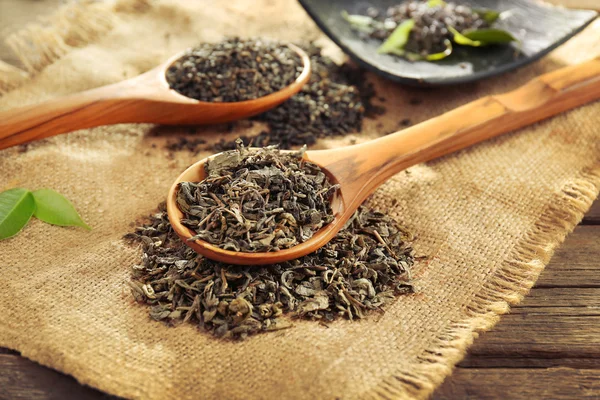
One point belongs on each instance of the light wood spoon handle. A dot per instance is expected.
(376, 161)
(117, 103)
(360, 169)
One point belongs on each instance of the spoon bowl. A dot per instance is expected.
(196, 173)
(146, 98)
(362, 168)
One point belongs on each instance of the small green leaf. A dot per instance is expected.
(397, 40)
(489, 16)
(357, 21)
(441, 55)
(489, 36)
(54, 208)
(459, 38)
(16, 208)
(436, 3)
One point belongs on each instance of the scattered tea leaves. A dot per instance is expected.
(16, 208)
(363, 269)
(55, 209)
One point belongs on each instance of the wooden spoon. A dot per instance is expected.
(360, 169)
(145, 98)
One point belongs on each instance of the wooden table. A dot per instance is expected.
(548, 347)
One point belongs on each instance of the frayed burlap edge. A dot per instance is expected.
(77, 24)
(72, 25)
(512, 281)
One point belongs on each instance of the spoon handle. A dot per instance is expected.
(116, 103)
(491, 116)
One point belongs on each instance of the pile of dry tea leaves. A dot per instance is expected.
(234, 70)
(257, 200)
(366, 266)
(333, 102)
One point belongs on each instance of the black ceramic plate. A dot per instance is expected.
(540, 27)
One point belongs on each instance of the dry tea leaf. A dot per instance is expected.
(16, 208)
(363, 268)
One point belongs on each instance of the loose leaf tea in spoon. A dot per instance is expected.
(234, 70)
(257, 200)
(365, 267)
(334, 102)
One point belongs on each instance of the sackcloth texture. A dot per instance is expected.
(488, 218)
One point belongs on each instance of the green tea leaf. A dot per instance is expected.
(441, 55)
(357, 21)
(397, 40)
(16, 208)
(490, 16)
(54, 208)
(459, 38)
(436, 3)
(489, 36)
(429, 57)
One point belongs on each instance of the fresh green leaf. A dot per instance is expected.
(441, 55)
(397, 40)
(436, 3)
(54, 208)
(459, 38)
(16, 208)
(361, 22)
(430, 57)
(489, 36)
(489, 16)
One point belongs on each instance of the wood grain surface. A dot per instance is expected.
(548, 347)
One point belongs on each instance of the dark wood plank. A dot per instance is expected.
(542, 336)
(552, 327)
(558, 323)
(520, 384)
(593, 216)
(21, 379)
(575, 263)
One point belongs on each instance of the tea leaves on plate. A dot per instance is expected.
(418, 30)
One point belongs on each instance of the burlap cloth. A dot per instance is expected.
(488, 218)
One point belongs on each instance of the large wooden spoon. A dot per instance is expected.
(145, 98)
(360, 169)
